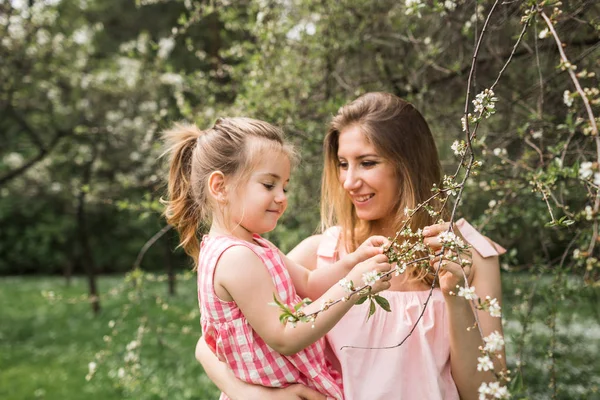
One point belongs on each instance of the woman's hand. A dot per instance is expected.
(296, 391)
(451, 274)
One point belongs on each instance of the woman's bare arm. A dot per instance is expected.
(236, 389)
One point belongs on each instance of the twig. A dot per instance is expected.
(148, 244)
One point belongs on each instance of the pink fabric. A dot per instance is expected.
(419, 369)
(484, 246)
(229, 335)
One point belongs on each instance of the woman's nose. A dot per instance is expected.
(351, 179)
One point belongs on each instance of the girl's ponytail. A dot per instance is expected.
(182, 211)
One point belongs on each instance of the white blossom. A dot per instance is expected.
(346, 284)
(450, 239)
(588, 213)
(485, 103)
(543, 33)
(165, 46)
(567, 99)
(495, 310)
(413, 7)
(400, 269)
(449, 5)
(484, 363)
(369, 278)
(132, 345)
(13, 160)
(494, 342)
(459, 148)
(92, 367)
(494, 390)
(597, 178)
(585, 170)
(467, 292)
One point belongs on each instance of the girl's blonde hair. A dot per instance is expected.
(232, 146)
(400, 134)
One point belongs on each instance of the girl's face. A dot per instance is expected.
(368, 178)
(257, 204)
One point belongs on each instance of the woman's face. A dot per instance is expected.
(368, 178)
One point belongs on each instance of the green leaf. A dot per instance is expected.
(383, 303)
(362, 299)
(372, 308)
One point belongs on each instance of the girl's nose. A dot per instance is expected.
(280, 197)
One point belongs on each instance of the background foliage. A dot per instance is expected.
(87, 86)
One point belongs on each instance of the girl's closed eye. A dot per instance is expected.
(269, 186)
(342, 164)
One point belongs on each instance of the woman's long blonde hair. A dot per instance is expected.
(400, 134)
(232, 146)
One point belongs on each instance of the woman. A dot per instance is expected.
(380, 158)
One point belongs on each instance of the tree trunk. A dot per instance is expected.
(170, 269)
(87, 257)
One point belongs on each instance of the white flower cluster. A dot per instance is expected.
(567, 98)
(347, 285)
(92, 366)
(467, 292)
(369, 278)
(451, 240)
(494, 390)
(589, 213)
(494, 308)
(499, 151)
(484, 363)
(400, 269)
(494, 342)
(413, 7)
(586, 171)
(459, 148)
(485, 103)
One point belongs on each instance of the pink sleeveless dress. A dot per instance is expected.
(420, 368)
(229, 335)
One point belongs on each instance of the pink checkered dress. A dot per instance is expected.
(230, 336)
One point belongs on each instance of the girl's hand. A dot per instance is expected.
(369, 248)
(377, 264)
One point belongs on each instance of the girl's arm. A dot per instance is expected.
(241, 276)
(235, 389)
(313, 284)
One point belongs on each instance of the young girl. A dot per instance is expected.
(235, 176)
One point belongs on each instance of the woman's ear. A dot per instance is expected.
(217, 187)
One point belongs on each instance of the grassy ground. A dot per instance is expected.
(46, 345)
(143, 340)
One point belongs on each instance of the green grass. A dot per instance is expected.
(46, 345)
